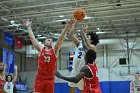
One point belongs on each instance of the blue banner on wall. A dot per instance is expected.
(11, 62)
(9, 38)
(5, 60)
(21, 86)
(8, 60)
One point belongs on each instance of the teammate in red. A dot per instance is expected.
(44, 82)
(88, 73)
(1, 77)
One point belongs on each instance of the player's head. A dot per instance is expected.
(93, 38)
(48, 42)
(137, 76)
(9, 78)
(1, 66)
(90, 56)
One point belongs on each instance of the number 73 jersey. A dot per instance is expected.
(78, 60)
(47, 63)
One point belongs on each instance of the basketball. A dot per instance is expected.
(79, 13)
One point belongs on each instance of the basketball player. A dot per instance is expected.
(1, 77)
(88, 73)
(10, 82)
(44, 82)
(135, 84)
(91, 40)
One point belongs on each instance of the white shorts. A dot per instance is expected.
(80, 84)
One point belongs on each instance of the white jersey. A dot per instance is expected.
(8, 87)
(78, 60)
(136, 87)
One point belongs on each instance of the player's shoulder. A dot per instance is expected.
(85, 68)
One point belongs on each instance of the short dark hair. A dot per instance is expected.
(90, 56)
(8, 76)
(94, 38)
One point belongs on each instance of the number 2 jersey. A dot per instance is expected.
(78, 60)
(46, 64)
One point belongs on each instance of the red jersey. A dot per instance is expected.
(46, 64)
(1, 84)
(91, 85)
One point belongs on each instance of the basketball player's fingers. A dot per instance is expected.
(29, 22)
(72, 21)
(75, 19)
(69, 23)
(85, 27)
(24, 22)
(15, 66)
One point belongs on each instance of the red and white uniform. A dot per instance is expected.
(1, 84)
(44, 82)
(91, 85)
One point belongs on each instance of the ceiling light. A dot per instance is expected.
(12, 22)
(60, 20)
(61, 15)
(100, 32)
(88, 17)
(39, 35)
(103, 32)
(98, 28)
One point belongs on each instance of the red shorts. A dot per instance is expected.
(44, 86)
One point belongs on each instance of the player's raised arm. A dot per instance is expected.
(84, 29)
(15, 73)
(88, 43)
(32, 37)
(62, 36)
(72, 36)
(83, 40)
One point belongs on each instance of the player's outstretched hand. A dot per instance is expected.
(71, 22)
(85, 27)
(16, 67)
(28, 23)
(58, 74)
